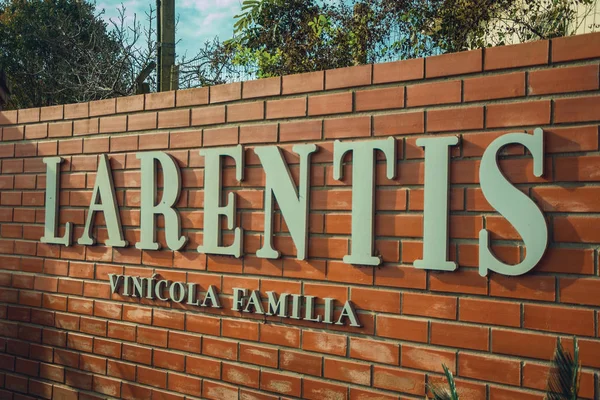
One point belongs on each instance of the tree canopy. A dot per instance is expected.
(282, 37)
(59, 51)
(62, 51)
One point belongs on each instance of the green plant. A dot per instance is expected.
(442, 393)
(563, 382)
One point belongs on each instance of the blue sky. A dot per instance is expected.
(199, 20)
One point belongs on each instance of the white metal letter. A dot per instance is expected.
(212, 201)
(51, 211)
(513, 205)
(435, 212)
(293, 205)
(363, 191)
(149, 206)
(104, 200)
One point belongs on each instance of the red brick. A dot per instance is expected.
(155, 101)
(303, 83)
(192, 97)
(80, 110)
(460, 119)
(402, 328)
(218, 391)
(576, 229)
(169, 360)
(347, 371)
(523, 344)
(376, 300)
(445, 92)
(490, 312)
(578, 109)
(579, 291)
(113, 124)
(208, 115)
(280, 335)
(465, 62)
(287, 108)
(259, 355)
(488, 368)
(427, 359)
(246, 111)
(154, 141)
(330, 104)
(559, 319)
(324, 342)
(102, 107)
(237, 329)
(219, 348)
(130, 103)
(299, 131)
(316, 390)
(36, 131)
(258, 134)
(86, 126)
(429, 305)
(370, 350)
(60, 129)
(141, 122)
(13, 133)
(300, 362)
(461, 336)
(152, 336)
(8, 117)
(399, 124)
(563, 80)
(347, 127)
(280, 383)
(493, 87)
(174, 119)
(28, 115)
(131, 391)
(348, 77)
(261, 88)
(228, 92)
(203, 367)
(182, 140)
(399, 380)
(518, 114)
(577, 47)
(518, 55)
(399, 71)
(497, 393)
(379, 99)
(220, 137)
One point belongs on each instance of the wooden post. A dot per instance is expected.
(4, 90)
(166, 43)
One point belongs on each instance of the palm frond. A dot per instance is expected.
(563, 382)
(443, 393)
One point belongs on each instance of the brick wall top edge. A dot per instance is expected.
(564, 49)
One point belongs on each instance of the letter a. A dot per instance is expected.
(104, 200)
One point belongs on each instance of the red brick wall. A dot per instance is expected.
(63, 337)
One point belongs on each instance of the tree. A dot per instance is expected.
(280, 37)
(58, 52)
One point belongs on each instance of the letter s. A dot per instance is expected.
(513, 205)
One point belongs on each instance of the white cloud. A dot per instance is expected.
(199, 20)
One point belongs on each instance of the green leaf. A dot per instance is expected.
(563, 383)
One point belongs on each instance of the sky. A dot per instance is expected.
(199, 20)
